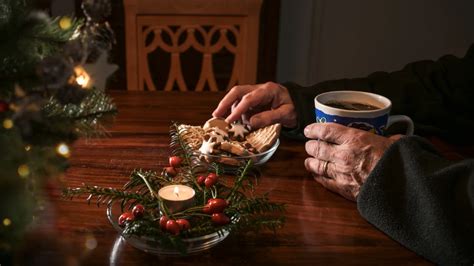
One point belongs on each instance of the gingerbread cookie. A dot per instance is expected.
(264, 138)
(216, 122)
(238, 131)
(234, 147)
(210, 145)
(217, 141)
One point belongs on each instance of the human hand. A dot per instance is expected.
(261, 105)
(343, 157)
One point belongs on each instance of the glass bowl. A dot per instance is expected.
(258, 159)
(149, 245)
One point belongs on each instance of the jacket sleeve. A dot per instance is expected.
(423, 201)
(437, 95)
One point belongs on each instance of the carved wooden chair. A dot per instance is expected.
(200, 45)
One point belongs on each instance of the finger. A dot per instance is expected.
(278, 115)
(321, 150)
(251, 99)
(317, 166)
(329, 132)
(235, 94)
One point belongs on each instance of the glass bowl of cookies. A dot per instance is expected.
(231, 144)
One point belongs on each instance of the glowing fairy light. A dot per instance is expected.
(65, 23)
(7, 123)
(63, 150)
(23, 170)
(27, 147)
(7, 222)
(82, 78)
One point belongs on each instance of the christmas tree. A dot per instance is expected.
(52, 78)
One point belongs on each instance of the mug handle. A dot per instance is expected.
(402, 118)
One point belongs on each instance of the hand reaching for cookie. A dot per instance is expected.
(258, 105)
(343, 157)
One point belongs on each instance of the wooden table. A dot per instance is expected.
(321, 227)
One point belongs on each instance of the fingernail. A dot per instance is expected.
(307, 130)
(306, 163)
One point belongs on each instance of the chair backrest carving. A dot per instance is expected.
(211, 28)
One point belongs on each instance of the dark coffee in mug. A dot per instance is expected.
(358, 109)
(354, 106)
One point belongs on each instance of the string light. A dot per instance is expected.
(27, 147)
(82, 78)
(7, 222)
(24, 170)
(65, 23)
(7, 123)
(63, 150)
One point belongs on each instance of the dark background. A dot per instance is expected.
(268, 42)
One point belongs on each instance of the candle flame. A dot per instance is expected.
(176, 191)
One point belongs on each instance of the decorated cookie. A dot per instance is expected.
(238, 131)
(216, 122)
(215, 131)
(229, 142)
(209, 145)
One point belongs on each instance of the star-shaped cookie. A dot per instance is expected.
(238, 130)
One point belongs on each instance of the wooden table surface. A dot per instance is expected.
(321, 227)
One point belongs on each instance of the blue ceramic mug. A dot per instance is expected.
(358, 109)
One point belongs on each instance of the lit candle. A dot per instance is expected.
(177, 197)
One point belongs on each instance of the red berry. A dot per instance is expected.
(175, 161)
(170, 171)
(125, 218)
(220, 219)
(206, 209)
(163, 221)
(212, 176)
(183, 224)
(173, 227)
(209, 182)
(200, 179)
(138, 210)
(217, 205)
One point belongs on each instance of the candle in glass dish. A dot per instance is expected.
(177, 197)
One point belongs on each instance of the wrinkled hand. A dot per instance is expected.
(258, 105)
(351, 154)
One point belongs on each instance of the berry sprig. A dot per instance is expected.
(222, 202)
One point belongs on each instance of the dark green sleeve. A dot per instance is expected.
(423, 201)
(437, 95)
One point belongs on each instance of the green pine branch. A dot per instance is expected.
(108, 195)
(85, 119)
(26, 38)
(247, 213)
